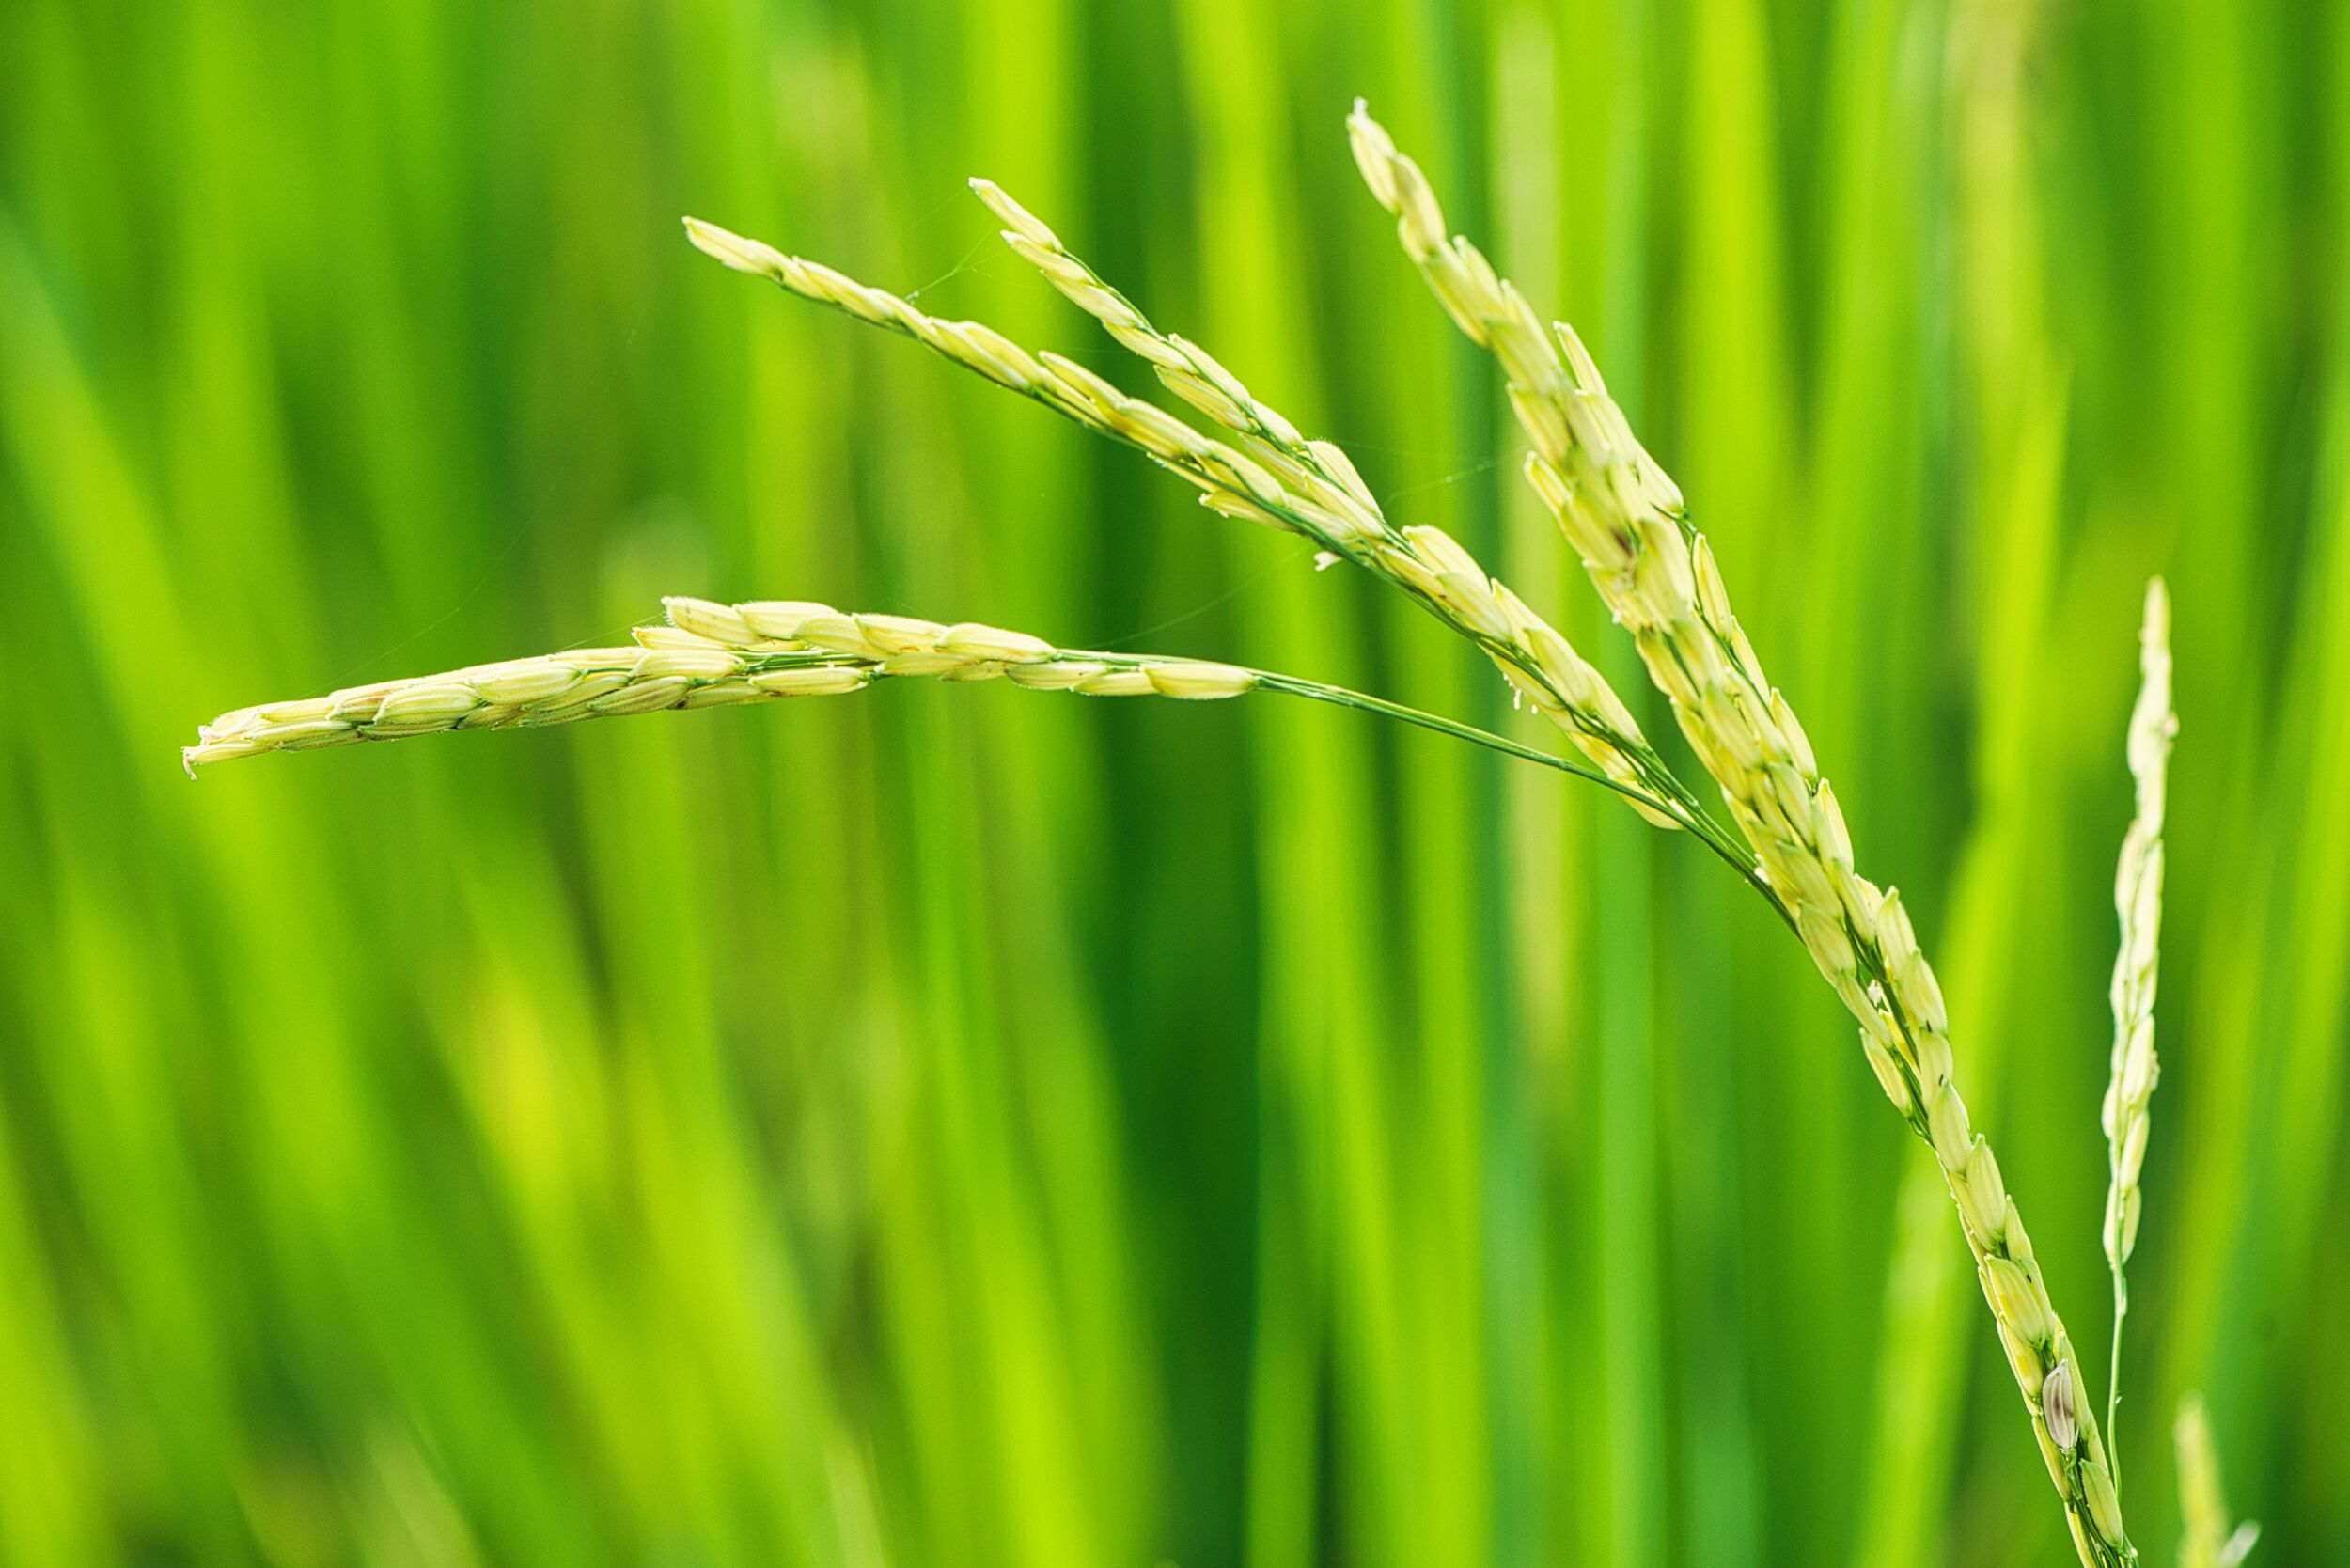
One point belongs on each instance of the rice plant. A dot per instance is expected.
(1627, 522)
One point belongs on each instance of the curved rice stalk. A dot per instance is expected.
(1627, 521)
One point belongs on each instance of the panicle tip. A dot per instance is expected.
(742, 255)
(1017, 218)
(1374, 151)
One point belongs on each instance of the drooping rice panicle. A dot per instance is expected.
(2136, 970)
(1283, 481)
(1626, 519)
(707, 655)
(2206, 1539)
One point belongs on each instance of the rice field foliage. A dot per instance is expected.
(968, 1127)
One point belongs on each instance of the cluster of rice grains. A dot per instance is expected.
(2137, 964)
(1620, 513)
(1625, 518)
(710, 655)
(704, 655)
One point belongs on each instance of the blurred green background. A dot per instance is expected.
(960, 1126)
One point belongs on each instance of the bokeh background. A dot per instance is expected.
(960, 1126)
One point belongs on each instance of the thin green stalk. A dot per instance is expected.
(1719, 842)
